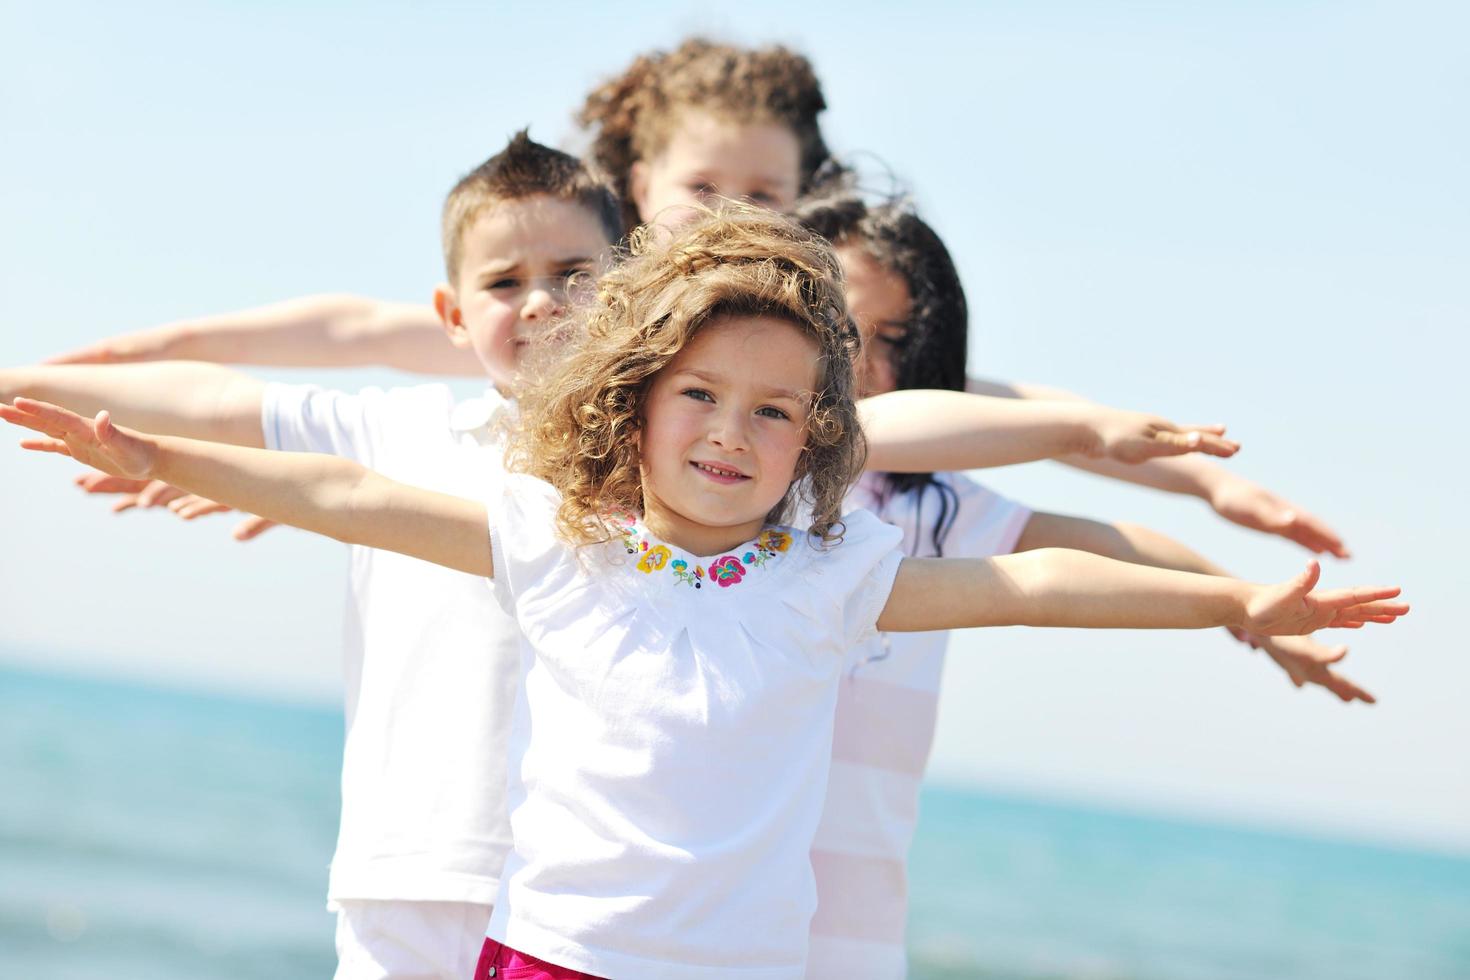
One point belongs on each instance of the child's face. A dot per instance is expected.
(515, 263)
(724, 425)
(880, 304)
(707, 157)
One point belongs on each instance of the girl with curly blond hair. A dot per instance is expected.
(682, 641)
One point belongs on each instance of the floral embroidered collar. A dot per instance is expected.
(655, 558)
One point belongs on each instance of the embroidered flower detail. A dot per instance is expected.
(727, 570)
(681, 571)
(773, 540)
(653, 558)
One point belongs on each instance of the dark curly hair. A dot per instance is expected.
(933, 351)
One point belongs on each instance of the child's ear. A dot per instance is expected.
(446, 304)
(638, 188)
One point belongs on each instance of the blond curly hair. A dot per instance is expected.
(582, 406)
(632, 115)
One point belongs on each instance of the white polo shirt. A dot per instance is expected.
(887, 706)
(671, 742)
(431, 661)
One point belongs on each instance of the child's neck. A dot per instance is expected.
(699, 540)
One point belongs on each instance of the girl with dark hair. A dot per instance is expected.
(905, 295)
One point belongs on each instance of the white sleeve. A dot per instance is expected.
(312, 419)
(856, 575)
(986, 524)
(525, 550)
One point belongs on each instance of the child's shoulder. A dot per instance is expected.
(860, 536)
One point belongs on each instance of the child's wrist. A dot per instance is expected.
(12, 384)
(1235, 603)
(1206, 480)
(164, 465)
(1084, 428)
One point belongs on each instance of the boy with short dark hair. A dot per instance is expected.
(424, 831)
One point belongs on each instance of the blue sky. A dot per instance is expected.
(1254, 213)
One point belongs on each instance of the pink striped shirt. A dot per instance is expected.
(886, 711)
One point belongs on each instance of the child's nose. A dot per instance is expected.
(728, 431)
(540, 304)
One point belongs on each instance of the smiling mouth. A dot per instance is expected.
(718, 473)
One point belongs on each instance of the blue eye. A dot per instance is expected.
(698, 394)
(774, 413)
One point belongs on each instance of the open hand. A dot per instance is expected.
(131, 493)
(97, 443)
(1134, 437)
(1292, 608)
(1251, 505)
(1308, 662)
(191, 506)
(156, 493)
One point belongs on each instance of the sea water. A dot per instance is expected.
(152, 834)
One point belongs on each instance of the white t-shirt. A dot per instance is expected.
(886, 710)
(670, 746)
(431, 660)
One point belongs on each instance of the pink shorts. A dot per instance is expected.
(500, 962)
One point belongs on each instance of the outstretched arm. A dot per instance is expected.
(325, 494)
(1304, 660)
(1055, 587)
(926, 431)
(315, 331)
(201, 401)
(1230, 495)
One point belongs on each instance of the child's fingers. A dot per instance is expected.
(1358, 595)
(1306, 580)
(46, 446)
(128, 502)
(95, 482)
(1176, 442)
(1310, 532)
(58, 423)
(253, 528)
(1346, 689)
(1369, 610)
(158, 494)
(19, 416)
(1210, 440)
(191, 507)
(1218, 446)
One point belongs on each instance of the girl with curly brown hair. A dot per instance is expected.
(709, 120)
(682, 645)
